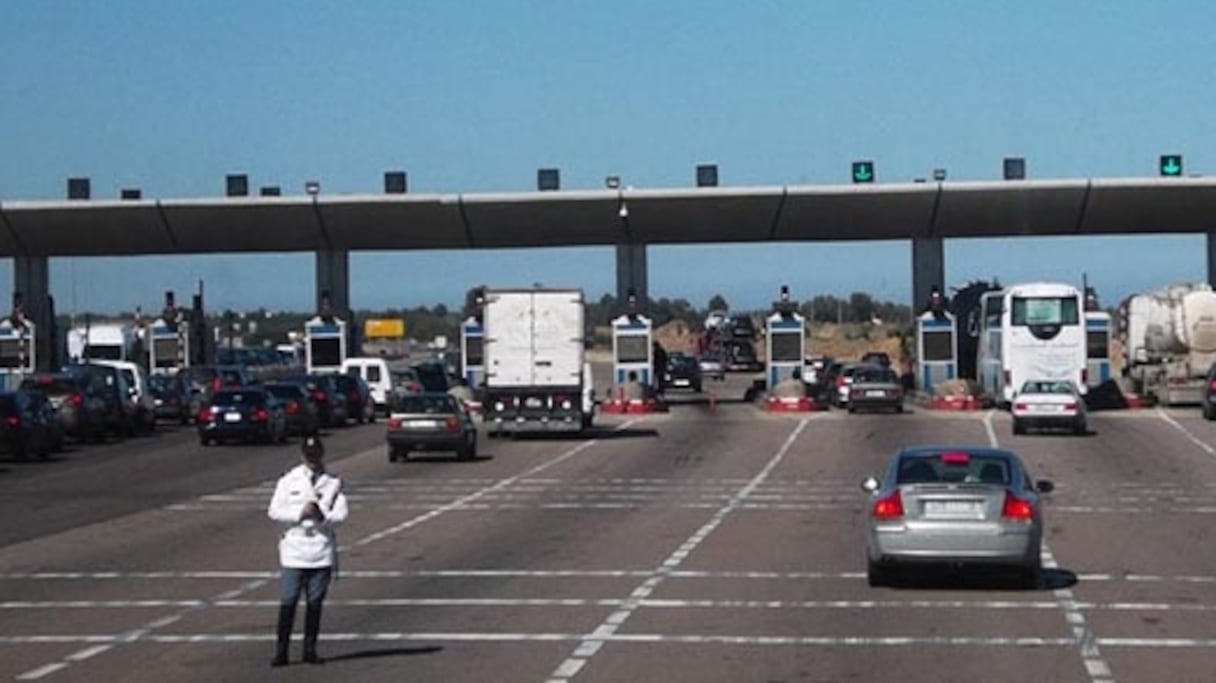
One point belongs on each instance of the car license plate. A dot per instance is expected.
(877, 393)
(232, 417)
(533, 402)
(423, 424)
(681, 382)
(952, 507)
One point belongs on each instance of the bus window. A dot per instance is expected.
(1028, 311)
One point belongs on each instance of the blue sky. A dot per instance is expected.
(169, 96)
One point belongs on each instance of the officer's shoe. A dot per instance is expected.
(279, 660)
(311, 657)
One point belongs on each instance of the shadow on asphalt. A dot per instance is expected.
(978, 579)
(439, 457)
(386, 652)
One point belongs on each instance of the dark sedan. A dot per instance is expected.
(25, 427)
(683, 372)
(430, 422)
(300, 410)
(875, 388)
(245, 414)
(173, 397)
(79, 410)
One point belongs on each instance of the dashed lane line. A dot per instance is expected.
(146, 630)
(1091, 656)
(591, 644)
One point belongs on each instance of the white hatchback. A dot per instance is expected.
(1049, 404)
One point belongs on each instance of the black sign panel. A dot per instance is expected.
(937, 345)
(787, 347)
(633, 349)
(326, 352)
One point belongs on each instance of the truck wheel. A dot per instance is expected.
(1209, 413)
(1018, 427)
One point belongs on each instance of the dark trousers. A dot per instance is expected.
(314, 583)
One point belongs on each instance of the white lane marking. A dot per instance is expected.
(472, 497)
(42, 671)
(583, 653)
(693, 639)
(663, 603)
(1091, 656)
(370, 574)
(1203, 445)
(147, 629)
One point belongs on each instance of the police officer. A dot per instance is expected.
(309, 502)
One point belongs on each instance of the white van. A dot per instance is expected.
(375, 372)
(141, 391)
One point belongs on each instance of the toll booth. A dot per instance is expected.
(1097, 348)
(169, 340)
(324, 344)
(17, 358)
(785, 341)
(472, 352)
(633, 349)
(936, 350)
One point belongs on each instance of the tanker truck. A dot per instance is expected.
(1169, 342)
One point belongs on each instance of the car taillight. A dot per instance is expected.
(318, 395)
(1017, 509)
(889, 507)
(13, 421)
(76, 400)
(293, 407)
(1070, 406)
(1020, 406)
(204, 415)
(394, 423)
(261, 415)
(1212, 386)
(452, 424)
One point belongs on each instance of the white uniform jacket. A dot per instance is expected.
(307, 544)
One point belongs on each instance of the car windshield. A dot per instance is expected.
(954, 467)
(292, 391)
(425, 404)
(1047, 388)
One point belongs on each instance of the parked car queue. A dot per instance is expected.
(96, 401)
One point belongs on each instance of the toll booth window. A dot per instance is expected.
(633, 348)
(1097, 344)
(326, 352)
(9, 353)
(787, 347)
(166, 352)
(473, 354)
(937, 346)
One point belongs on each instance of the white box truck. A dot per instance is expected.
(537, 377)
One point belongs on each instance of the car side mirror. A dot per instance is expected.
(870, 485)
(1044, 486)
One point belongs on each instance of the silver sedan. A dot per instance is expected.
(952, 505)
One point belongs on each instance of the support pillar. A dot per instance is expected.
(32, 278)
(631, 273)
(1211, 237)
(928, 269)
(333, 276)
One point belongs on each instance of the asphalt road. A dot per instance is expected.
(712, 543)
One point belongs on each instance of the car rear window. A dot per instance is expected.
(285, 390)
(425, 404)
(875, 375)
(954, 467)
(1047, 388)
(250, 398)
(7, 406)
(51, 386)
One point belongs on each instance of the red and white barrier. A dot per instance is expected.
(792, 404)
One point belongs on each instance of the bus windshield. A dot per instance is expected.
(1052, 310)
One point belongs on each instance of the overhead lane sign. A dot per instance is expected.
(1170, 165)
(863, 171)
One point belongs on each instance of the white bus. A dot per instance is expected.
(1033, 331)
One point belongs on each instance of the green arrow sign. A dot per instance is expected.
(863, 171)
(1171, 165)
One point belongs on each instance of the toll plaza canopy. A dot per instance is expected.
(606, 217)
